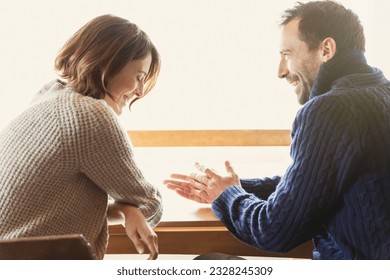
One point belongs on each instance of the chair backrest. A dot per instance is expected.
(58, 247)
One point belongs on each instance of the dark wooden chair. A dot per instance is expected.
(56, 247)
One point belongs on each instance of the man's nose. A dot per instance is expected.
(282, 70)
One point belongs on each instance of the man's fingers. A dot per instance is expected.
(203, 195)
(209, 172)
(180, 184)
(229, 167)
(200, 178)
(190, 196)
(197, 185)
(182, 180)
(185, 186)
(180, 177)
(176, 187)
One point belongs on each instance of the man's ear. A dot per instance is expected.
(328, 48)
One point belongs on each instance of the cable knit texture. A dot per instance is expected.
(60, 161)
(337, 189)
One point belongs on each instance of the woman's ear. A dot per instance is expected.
(328, 48)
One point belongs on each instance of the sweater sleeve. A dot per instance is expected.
(322, 152)
(106, 158)
(261, 188)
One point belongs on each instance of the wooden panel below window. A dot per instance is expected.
(196, 241)
(181, 138)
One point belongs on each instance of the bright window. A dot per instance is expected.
(220, 57)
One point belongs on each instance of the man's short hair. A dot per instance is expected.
(323, 19)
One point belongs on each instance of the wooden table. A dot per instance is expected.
(191, 228)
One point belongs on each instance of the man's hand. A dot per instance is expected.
(204, 187)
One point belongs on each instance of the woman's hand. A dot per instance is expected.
(205, 187)
(137, 228)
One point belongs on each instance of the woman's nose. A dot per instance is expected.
(140, 90)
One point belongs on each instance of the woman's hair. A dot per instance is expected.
(99, 50)
(322, 19)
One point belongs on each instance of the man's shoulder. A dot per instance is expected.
(322, 103)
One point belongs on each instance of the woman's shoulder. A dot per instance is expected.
(71, 103)
(87, 107)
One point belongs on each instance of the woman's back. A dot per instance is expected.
(59, 160)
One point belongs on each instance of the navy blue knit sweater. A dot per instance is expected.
(337, 189)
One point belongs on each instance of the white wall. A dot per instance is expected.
(219, 57)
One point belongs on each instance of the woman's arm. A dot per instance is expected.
(106, 157)
(137, 227)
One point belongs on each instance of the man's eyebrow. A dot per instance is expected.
(143, 72)
(284, 51)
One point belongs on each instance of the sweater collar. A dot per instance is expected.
(342, 64)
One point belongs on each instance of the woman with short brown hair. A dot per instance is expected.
(66, 156)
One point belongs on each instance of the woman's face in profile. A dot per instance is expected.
(128, 84)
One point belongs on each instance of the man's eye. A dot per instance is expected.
(284, 55)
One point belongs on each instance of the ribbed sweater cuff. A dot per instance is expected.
(223, 204)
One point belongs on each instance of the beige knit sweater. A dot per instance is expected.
(60, 160)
